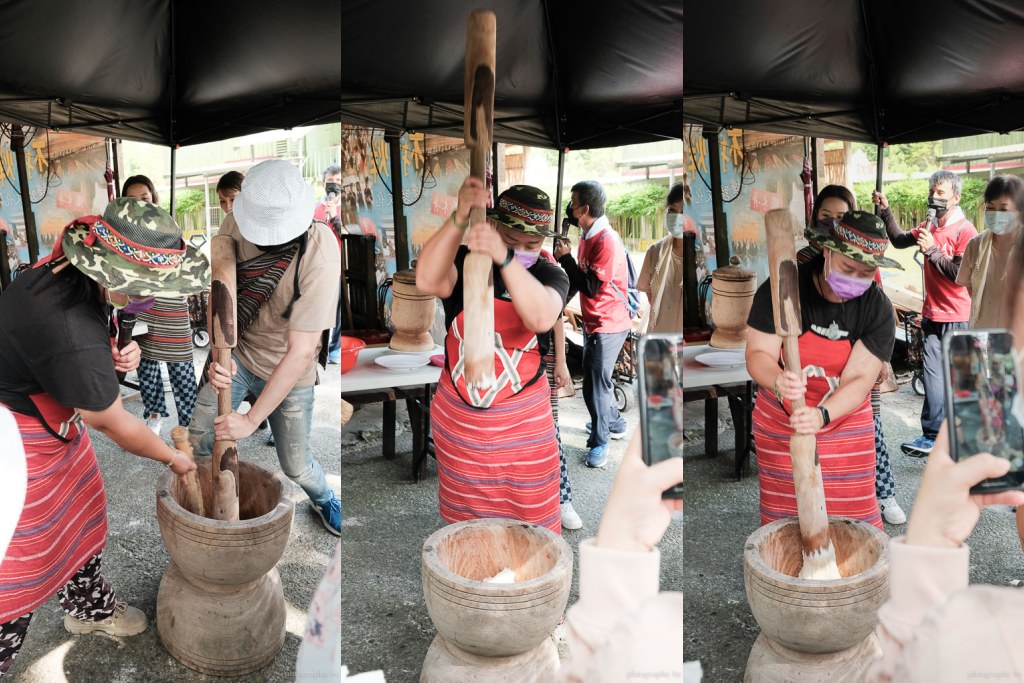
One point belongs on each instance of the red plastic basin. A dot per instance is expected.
(350, 348)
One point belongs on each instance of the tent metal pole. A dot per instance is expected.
(814, 169)
(394, 138)
(715, 171)
(174, 171)
(878, 174)
(558, 187)
(494, 174)
(31, 237)
(5, 265)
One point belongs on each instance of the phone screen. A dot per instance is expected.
(981, 385)
(661, 400)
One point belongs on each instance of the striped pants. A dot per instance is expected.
(564, 486)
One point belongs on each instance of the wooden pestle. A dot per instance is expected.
(193, 493)
(819, 556)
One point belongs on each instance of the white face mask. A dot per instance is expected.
(674, 224)
(1000, 222)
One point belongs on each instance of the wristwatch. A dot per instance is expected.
(825, 419)
(508, 258)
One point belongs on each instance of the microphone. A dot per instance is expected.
(125, 325)
(929, 218)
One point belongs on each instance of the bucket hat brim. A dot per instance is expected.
(825, 239)
(126, 277)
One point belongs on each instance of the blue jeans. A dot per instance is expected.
(600, 351)
(291, 423)
(934, 410)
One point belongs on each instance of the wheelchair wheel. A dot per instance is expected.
(621, 398)
(917, 383)
(201, 338)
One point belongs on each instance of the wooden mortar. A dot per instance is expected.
(494, 619)
(807, 625)
(220, 607)
(732, 294)
(412, 314)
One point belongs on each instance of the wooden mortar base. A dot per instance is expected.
(221, 630)
(770, 662)
(446, 663)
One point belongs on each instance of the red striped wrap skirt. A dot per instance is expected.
(846, 447)
(63, 523)
(500, 461)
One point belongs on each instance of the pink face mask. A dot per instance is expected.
(846, 287)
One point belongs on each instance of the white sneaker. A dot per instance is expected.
(570, 518)
(154, 422)
(891, 511)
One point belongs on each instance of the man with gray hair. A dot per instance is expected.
(947, 305)
(601, 276)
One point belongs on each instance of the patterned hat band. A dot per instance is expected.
(151, 257)
(528, 214)
(866, 243)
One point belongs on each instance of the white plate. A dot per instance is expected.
(402, 362)
(721, 359)
(431, 352)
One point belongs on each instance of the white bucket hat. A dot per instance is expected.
(275, 205)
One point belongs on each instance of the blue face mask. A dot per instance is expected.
(527, 258)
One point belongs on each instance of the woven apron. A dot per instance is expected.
(846, 447)
(63, 523)
(500, 460)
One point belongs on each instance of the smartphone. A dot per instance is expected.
(660, 357)
(981, 385)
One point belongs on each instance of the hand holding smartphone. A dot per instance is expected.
(982, 385)
(661, 400)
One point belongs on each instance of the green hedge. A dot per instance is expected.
(909, 198)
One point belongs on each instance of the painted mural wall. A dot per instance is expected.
(760, 172)
(65, 177)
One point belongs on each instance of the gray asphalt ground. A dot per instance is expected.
(388, 517)
(135, 558)
(721, 513)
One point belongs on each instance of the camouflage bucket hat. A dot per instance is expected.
(137, 249)
(858, 235)
(524, 208)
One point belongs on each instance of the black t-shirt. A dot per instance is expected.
(547, 273)
(868, 318)
(45, 348)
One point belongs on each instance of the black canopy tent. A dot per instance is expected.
(571, 73)
(860, 70)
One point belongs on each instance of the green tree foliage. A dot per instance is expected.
(188, 201)
(909, 198)
(638, 202)
(916, 157)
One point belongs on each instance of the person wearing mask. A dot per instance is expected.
(168, 340)
(58, 376)
(935, 628)
(288, 267)
(829, 206)
(497, 453)
(987, 259)
(327, 211)
(848, 331)
(600, 274)
(947, 305)
(661, 276)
